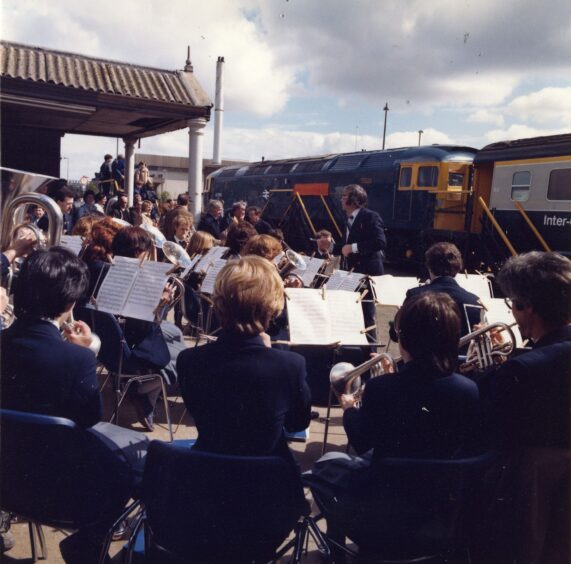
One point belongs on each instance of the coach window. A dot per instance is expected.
(559, 187)
(521, 185)
(427, 176)
(405, 177)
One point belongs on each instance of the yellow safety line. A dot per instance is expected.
(519, 208)
(331, 216)
(306, 214)
(497, 226)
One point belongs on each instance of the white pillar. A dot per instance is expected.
(129, 168)
(218, 111)
(195, 184)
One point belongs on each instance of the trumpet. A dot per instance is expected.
(485, 349)
(345, 378)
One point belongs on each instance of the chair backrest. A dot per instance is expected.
(219, 508)
(424, 505)
(54, 472)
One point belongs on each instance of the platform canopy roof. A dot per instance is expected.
(73, 93)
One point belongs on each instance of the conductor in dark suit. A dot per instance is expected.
(241, 392)
(363, 247)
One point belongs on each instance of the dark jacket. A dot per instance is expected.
(43, 373)
(369, 234)
(243, 394)
(461, 297)
(415, 413)
(210, 224)
(531, 396)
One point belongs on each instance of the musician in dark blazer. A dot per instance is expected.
(43, 372)
(364, 242)
(242, 393)
(254, 216)
(444, 262)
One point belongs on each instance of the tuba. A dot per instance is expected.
(346, 378)
(487, 346)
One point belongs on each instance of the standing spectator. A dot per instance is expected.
(106, 175)
(141, 176)
(210, 221)
(135, 212)
(254, 216)
(100, 201)
(237, 215)
(121, 209)
(89, 204)
(64, 200)
(118, 169)
(146, 210)
(148, 192)
(35, 214)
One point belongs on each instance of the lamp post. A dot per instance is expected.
(386, 110)
(420, 132)
(67, 174)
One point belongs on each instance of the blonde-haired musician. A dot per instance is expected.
(242, 393)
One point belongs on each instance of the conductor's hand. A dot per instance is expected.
(78, 333)
(347, 401)
(346, 250)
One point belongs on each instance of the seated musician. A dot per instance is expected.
(49, 373)
(324, 243)
(182, 227)
(241, 392)
(423, 411)
(236, 238)
(265, 246)
(444, 262)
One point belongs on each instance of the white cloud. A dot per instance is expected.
(493, 117)
(551, 106)
(520, 131)
(410, 138)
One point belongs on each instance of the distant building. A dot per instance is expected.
(170, 174)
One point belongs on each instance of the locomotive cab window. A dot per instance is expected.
(428, 176)
(456, 179)
(559, 187)
(521, 185)
(405, 177)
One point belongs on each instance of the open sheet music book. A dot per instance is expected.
(213, 254)
(133, 288)
(391, 290)
(313, 264)
(343, 280)
(476, 283)
(325, 317)
(214, 267)
(74, 243)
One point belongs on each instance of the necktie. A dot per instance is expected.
(349, 224)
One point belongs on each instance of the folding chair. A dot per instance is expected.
(122, 363)
(55, 473)
(219, 508)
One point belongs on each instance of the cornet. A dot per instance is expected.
(485, 349)
(346, 378)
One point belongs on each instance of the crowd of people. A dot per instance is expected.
(243, 392)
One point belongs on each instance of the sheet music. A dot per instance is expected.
(347, 321)
(476, 283)
(214, 268)
(498, 310)
(342, 280)
(313, 265)
(74, 243)
(391, 290)
(147, 290)
(213, 254)
(193, 262)
(115, 287)
(314, 320)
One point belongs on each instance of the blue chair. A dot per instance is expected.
(124, 364)
(217, 508)
(55, 473)
(407, 509)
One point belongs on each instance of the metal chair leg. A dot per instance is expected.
(166, 404)
(42, 541)
(300, 535)
(32, 541)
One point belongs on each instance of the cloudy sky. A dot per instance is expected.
(307, 77)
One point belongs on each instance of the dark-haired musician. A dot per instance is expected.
(242, 393)
(425, 410)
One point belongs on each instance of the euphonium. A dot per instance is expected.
(346, 378)
(483, 350)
